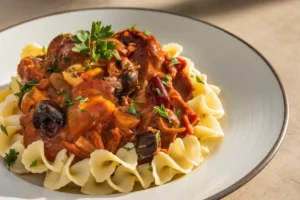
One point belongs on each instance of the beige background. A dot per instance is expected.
(271, 26)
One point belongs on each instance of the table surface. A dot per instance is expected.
(271, 26)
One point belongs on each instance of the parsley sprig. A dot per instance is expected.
(132, 110)
(128, 148)
(161, 111)
(166, 79)
(68, 100)
(34, 163)
(174, 61)
(100, 48)
(150, 168)
(26, 87)
(199, 80)
(4, 130)
(11, 157)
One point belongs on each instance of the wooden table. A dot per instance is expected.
(271, 26)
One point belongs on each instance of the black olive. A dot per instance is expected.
(49, 118)
(146, 145)
(129, 81)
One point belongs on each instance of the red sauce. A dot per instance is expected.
(99, 118)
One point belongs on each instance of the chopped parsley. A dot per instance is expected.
(26, 87)
(166, 79)
(128, 148)
(82, 101)
(83, 110)
(161, 111)
(131, 110)
(4, 130)
(34, 163)
(174, 61)
(199, 80)
(131, 27)
(134, 103)
(78, 98)
(127, 64)
(158, 92)
(11, 157)
(135, 63)
(177, 112)
(68, 101)
(150, 168)
(192, 76)
(43, 49)
(101, 49)
(146, 32)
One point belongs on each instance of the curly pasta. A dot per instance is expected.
(105, 172)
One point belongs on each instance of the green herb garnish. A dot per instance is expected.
(131, 27)
(98, 32)
(128, 148)
(4, 130)
(177, 112)
(199, 80)
(101, 49)
(68, 101)
(134, 103)
(166, 79)
(34, 163)
(150, 168)
(83, 110)
(11, 157)
(146, 32)
(161, 111)
(104, 50)
(43, 49)
(174, 61)
(78, 98)
(82, 101)
(131, 110)
(26, 87)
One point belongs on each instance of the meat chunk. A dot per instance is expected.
(147, 52)
(31, 68)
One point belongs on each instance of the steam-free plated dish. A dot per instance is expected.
(252, 95)
(105, 111)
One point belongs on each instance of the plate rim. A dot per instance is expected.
(241, 182)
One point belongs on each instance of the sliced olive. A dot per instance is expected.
(49, 118)
(146, 145)
(129, 81)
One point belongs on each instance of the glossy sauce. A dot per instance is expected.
(105, 120)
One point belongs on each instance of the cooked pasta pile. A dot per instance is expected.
(109, 167)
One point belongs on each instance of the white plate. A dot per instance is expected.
(255, 102)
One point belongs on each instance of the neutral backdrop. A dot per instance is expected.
(271, 26)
